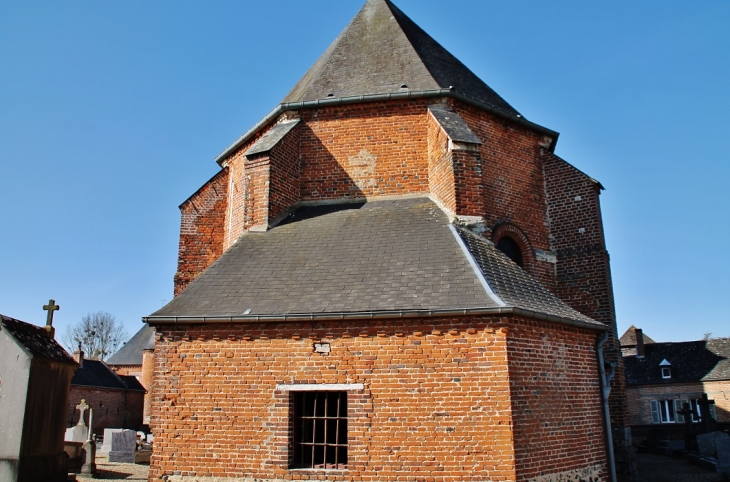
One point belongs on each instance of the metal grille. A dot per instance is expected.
(319, 430)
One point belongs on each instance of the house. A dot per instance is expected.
(117, 400)
(35, 372)
(137, 358)
(662, 377)
(392, 277)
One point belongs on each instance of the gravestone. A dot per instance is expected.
(106, 445)
(722, 446)
(79, 432)
(706, 443)
(124, 444)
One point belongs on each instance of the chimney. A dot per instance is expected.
(639, 343)
(79, 356)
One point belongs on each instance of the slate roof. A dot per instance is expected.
(629, 337)
(380, 51)
(364, 257)
(35, 339)
(691, 361)
(454, 125)
(512, 284)
(271, 138)
(131, 352)
(95, 373)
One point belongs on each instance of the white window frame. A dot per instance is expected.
(664, 411)
(666, 372)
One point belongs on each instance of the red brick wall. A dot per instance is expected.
(144, 374)
(284, 161)
(583, 267)
(470, 200)
(256, 191)
(514, 187)
(364, 150)
(202, 229)
(437, 401)
(558, 423)
(112, 408)
(440, 169)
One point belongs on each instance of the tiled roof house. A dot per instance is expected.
(391, 277)
(662, 377)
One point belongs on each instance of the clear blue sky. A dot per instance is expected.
(111, 114)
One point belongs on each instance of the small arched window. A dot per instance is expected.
(510, 247)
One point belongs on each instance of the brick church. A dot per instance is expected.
(391, 277)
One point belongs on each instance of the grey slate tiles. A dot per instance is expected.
(368, 257)
(387, 255)
(454, 125)
(383, 51)
(513, 285)
(691, 361)
(271, 138)
(131, 352)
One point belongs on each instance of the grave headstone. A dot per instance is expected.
(124, 444)
(79, 432)
(106, 444)
(706, 443)
(722, 446)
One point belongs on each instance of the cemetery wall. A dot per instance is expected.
(112, 408)
(439, 399)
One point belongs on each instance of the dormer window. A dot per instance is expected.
(666, 369)
(510, 247)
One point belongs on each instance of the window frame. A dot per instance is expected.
(292, 390)
(316, 417)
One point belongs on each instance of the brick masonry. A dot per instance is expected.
(371, 150)
(441, 399)
(639, 398)
(112, 408)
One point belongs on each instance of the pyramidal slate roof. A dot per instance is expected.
(356, 259)
(35, 340)
(131, 352)
(382, 50)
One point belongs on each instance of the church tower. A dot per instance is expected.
(391, 204)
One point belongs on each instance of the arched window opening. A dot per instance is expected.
(510, 247)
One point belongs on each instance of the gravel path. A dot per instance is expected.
(113, 470)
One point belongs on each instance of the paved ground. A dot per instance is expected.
(661, 468)
(651, 467)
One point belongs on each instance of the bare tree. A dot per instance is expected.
(99, 334)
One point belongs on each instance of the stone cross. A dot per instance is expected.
(50, 308)
(708, 423)
(81, 407)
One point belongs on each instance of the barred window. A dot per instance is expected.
(319, 430)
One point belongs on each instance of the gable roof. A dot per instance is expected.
(691, 361)
(35, 340)
(358, 260)
(96, 373)
(380, 51)
(131, 352)
(628, 339)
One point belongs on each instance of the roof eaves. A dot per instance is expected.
(335, 101)
(372, 315)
